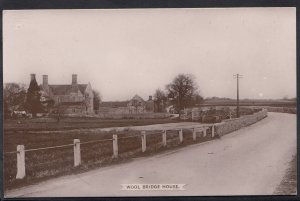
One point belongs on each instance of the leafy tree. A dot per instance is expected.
(160, 99)
(33, 98)
(183, 91)
(14, 96)
(97, 100)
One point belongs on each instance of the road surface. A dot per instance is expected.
(250, 161)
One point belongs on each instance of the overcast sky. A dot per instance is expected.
(135, 51)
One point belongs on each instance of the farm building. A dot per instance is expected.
(70, 98)
(136, 105)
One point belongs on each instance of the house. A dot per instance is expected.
(70, 98)
(138, 105)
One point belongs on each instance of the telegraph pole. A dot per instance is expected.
(237, 76)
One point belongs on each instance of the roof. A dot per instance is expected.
(67, 89)
(137, 97)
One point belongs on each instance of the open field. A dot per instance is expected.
(67, 123)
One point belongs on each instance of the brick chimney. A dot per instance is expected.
(74, 78)
(45, 80)
(32, 77)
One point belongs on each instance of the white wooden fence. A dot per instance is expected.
(21, 166)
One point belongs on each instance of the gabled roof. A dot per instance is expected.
(60, 89)
(136, 100)
(66, 89)
(82, 87)
(137, 97)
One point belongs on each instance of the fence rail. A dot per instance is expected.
(53, 147)
(94, 141)
(20, 152)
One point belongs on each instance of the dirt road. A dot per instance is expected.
(250, 161)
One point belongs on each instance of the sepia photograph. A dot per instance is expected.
(149, 102)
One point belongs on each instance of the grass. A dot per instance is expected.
(288, 185)
(67, 123)
(45, 164)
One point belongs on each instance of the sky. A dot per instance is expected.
(123, 52)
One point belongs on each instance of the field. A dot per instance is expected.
(48, 163)
(67, 123)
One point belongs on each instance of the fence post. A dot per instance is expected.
(77, 156)
(143, 141)
(213, 131)
(115, 146)
(194, 134)
(204, 132)
(20, 162)
(180, 136)
(164, 138)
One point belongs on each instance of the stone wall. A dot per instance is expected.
(230, 125)
(196, 114)
(281, 109)
(291, 110)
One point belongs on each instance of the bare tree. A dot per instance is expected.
(183, 91)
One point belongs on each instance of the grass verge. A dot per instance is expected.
(288, 185)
